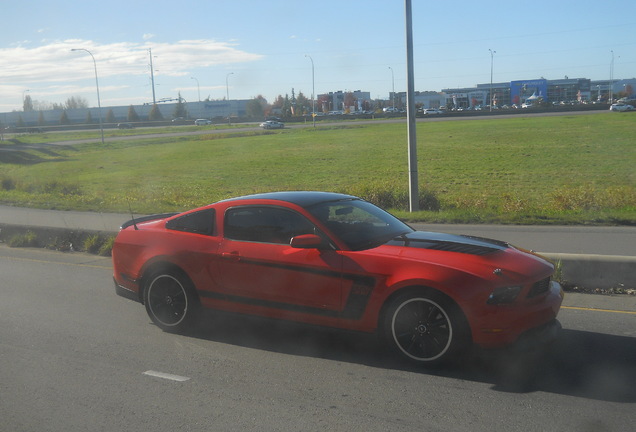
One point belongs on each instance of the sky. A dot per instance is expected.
(246, 48)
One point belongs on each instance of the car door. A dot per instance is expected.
(258, 266)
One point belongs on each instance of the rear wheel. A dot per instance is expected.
(171, 301)
(426, 328)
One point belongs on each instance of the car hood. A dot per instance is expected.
(448, 242)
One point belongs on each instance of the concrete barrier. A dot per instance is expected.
(597, 271)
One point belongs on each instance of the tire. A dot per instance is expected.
(171, 301)
(425, 327)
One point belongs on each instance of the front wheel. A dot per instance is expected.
(426, 328)
(171, 301)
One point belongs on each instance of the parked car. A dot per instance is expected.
(431, 111)
(621, 107)
(202, 122)
(336, 260)
(272, 124)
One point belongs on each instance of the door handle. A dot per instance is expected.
(233, 256)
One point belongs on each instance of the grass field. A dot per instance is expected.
(564, 169)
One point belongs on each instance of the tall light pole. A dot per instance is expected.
(227, 93)
(393, 88)
(414, 195)
(198, 88)
(152, 77)
(609, 87)
(492, 60)
(99, 103)
(313, 91)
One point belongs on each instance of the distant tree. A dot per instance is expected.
(284, 104)
(303, 105)
(41, 121)
(75, 102)
(89, 118)
(28, 104)
(155, 113)
(278, 102)
(180, 109)
(64, 118)
(256, 107)
(110, 116)
(132, 114)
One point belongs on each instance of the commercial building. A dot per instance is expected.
(566, 90)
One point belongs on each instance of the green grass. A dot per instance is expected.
(565, 169)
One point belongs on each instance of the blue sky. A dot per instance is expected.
(260, 47)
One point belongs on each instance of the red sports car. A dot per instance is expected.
(336, 260)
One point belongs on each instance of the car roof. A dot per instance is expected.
(300, 198)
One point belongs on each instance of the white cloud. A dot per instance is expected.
(55, 61)
(52, 64)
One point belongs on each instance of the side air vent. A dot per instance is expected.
(539, 288)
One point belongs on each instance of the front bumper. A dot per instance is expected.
(532, 320)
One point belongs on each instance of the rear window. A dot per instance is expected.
(201, 222)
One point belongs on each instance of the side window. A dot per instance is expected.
(201, 222)
(265, 224)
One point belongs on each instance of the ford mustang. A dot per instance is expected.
(336, 260)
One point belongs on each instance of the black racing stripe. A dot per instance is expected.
(355, 305)
(268, 304)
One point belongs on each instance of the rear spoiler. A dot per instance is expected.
(141, 219)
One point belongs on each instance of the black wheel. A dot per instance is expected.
(426, 328)
(171, 301)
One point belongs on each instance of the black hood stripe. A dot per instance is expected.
(448, 242)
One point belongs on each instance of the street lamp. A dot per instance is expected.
(227, 92)
(198, 88)
(313, 91)
(609, 87)
(492, 55)
(99, 103)
(393, 87)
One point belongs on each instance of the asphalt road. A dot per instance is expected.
(75, 357)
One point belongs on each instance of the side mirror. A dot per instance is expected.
(307, 241)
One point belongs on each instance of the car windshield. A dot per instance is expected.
(359, 224)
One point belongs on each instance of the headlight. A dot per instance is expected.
(504, 295)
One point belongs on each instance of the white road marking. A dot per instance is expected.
(166, 376)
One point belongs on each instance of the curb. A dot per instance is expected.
(597, 271)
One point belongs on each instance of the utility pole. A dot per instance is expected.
(410, 103)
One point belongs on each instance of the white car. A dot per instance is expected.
(621, 107)
(431, 111)
(272, 124)
(202, 122)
